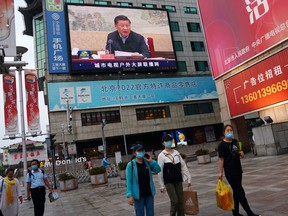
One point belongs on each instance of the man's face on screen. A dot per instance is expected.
(123, 27)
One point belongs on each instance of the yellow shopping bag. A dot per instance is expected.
(224, 196)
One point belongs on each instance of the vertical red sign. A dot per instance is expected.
(33, 117)
(10, 105)
(259, 86)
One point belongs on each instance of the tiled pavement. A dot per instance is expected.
(265, 181)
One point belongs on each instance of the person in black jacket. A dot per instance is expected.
(229, 159)
(123, 39)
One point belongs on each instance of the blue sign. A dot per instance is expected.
(111, 93)
(56, 36)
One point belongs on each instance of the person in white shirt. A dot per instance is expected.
(173, 172)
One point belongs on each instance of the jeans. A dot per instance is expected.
(175, 193)
(144, 203)
(38, 198)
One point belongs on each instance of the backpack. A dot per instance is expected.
(31, 174)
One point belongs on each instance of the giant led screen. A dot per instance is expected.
(112, 39)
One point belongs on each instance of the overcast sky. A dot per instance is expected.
(26, 41)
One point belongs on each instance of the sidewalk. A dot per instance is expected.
(265, 181)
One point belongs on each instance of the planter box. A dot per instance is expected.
(98, 179)
(122, 174)
(67, 185)
(203, 159)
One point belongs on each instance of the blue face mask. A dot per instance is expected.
(140, 154)
(168, 144)
(229, 135)
(34, 167)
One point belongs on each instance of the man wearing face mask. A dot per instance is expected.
(173, 172)
(36, 181)
(140, 188)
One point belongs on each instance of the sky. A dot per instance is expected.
(28, 57)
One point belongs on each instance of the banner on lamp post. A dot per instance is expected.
(10, 105)
(32, 108)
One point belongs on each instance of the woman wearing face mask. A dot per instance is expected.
(11, 192)
(173, 172)
(140, 189)
(229, 159)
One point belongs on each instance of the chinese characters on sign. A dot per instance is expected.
(243, 30)
(56, 36)
(259, 86)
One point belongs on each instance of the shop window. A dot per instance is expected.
(198, 108)
(95, 118)
(153, 113)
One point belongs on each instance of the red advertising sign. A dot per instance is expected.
(33, 117)
(10, 104)
(240, 29)
(259, 86)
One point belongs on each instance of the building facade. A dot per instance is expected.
(198, 118)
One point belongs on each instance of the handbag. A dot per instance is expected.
(191, 206)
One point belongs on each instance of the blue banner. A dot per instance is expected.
(56, 36)
(109, 93)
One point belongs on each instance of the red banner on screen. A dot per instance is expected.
(33, 117)
(240, 29)
(10, 105)
(261, 85)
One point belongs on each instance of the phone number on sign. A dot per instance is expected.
(267, 91)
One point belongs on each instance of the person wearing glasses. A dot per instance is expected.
(36, 181)
(123, 39)
(229, 159)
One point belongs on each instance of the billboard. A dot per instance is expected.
(139, 39)
(238, 30)
(109, 93)
(259, 86)
(56, 36)
(7, 27)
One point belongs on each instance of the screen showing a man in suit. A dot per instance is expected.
(124, 39)
(103, 39)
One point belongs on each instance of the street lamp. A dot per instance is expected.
(103, 123)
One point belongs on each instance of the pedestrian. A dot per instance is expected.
(140, 188)
(104, 162)
(229, 159)
(173, 172)
(10, 193)
(36, 181)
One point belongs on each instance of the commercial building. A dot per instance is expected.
(179, 102)
(247, 43)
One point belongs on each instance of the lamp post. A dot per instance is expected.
(120, 109)
(103, 123)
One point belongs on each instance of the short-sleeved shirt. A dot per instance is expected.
(36, 178)
(230, 153)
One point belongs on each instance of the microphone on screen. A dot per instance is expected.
(110, 41)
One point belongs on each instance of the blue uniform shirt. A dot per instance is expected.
(36, 178)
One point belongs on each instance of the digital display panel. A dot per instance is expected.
(112, 39)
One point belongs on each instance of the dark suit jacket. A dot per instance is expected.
(134, 43)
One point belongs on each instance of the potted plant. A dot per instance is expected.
(98, 175)
(122, 170)
(67, 182)
(203, 156)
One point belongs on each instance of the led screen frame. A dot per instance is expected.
(149, 22)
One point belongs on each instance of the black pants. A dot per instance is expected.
(238, 194)
(38, 198)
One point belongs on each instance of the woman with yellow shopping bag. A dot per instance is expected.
(229, 160)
